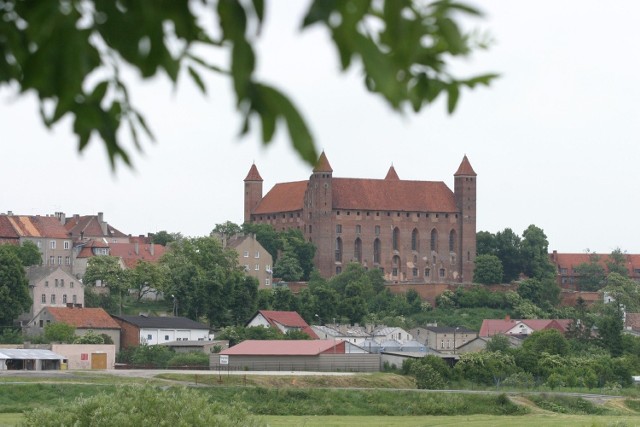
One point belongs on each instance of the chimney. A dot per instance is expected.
(507, 318)
(152, 249)
(10, 213)
(103, 225)
(61, 217)
(137, 247)
(554, 257)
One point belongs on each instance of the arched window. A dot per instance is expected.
(452, 241)
(376, 251)
(396, 238)
(357, 250)
(434, 240)
(339, 249)
(415, 240)
(395, 265)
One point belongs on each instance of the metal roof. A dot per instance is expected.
(28, 354)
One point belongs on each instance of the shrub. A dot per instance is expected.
(519, 380)
(427, 377)
(144, 406)
(189, 359)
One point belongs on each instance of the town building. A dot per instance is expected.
(52, 287)
(283, 321)
(523, 327)
(445, 339)
(414, 231)
(151, 330)
(566, 263)
(255, 259)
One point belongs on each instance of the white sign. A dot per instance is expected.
(224, 359)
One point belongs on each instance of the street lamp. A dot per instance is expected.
(175, 305)
(319, 319)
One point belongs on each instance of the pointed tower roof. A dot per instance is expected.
(465, 168)
(323, 164)
(253, 174)
(392, 174)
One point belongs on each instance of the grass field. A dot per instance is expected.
(371, 400)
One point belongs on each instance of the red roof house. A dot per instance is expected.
(284, 321)
(523, 327)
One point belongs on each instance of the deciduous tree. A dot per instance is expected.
(14, 287)
(488, 270)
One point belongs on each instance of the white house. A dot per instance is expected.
(137, 330)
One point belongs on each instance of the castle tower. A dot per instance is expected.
(319, 210)
(465, 196)
(252, 192)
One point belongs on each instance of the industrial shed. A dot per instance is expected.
(296, 355)
(18, 359)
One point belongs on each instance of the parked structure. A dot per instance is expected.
(284, 321)
(14, 359)
(415, 231)
(292, 355)
(138, 330)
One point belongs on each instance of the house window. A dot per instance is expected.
(43, 299)
(41, 323)
(257, 254)
(267, 268)
(64, 298)
(52, 260)
(415, 272)
(338, 270)
(427, 272)
(246, 254)
(67, 244)
(59, 259)
(434, 240)
(71, 284)
(441, 343)
(415, 240)
(166, 337)
(257, 267)
(338, 228)
(358, 229)
(62, 283)
(74, 298)
(53, 298)
(52, 244)
(46, 283)
(39, 244)
(67, 260)
(267, 282)
(442, 272)
(357, 250)
(376, 251)
(149, 337)
(452, 241)
(246, 267)
(396, 238)
(56, 283)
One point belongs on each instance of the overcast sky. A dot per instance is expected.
(554, 141)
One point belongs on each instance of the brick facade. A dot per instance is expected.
(415, 231)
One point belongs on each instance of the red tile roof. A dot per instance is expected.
(127, 251)
(6, 229)
(465, 168)
(365, 194)
(392, 174)
(571, 260)
(323, 164)
(85, 318)
(284, 348)
(283, 197)
(89, 226)
(253, 174)
(492, 327)
(289, 319)
(37, 226)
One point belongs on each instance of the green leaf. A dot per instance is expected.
(197, 79)
(454, 92)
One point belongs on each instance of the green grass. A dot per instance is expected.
(23, 397)
(569, 405)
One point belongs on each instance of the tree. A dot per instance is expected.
(544, 293)
(59, 332)
(28, 252)
(164, 237)
(498, 342)
(227, 229)
(56, 49)
(266, 235)
(488, 270)
(508, 250)
(109, 272)
(617, 262)
(535, 254)
(89, 337)
(14, 287)
(486, 243)
(549, 341)
(591, 274)
(147, 277)
(288, 268)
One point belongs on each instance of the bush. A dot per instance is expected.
(519, 380)
(144, 406)
(427, 378)
(189, 359)
(149, 356)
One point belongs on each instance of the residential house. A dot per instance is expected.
(354, 334)
(386, 333)
(52, 287)
(294, 355)
(255, 259)
(566, 263)
(46, 232)
(522, 327)
(480, 343)
(147, 330)
(283, 321)
(83, 319)
(91, 227)
(414, 231)
(445, 339)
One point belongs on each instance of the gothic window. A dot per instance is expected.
(415, 240)
(357, 250)
(452, 241)
(339, 249)
(434, 240)
(377, 229)
(376, 251)
(396, 238)
(396, 263)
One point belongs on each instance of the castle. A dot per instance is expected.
(414, 231)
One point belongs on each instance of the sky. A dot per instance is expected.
(554, 140)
